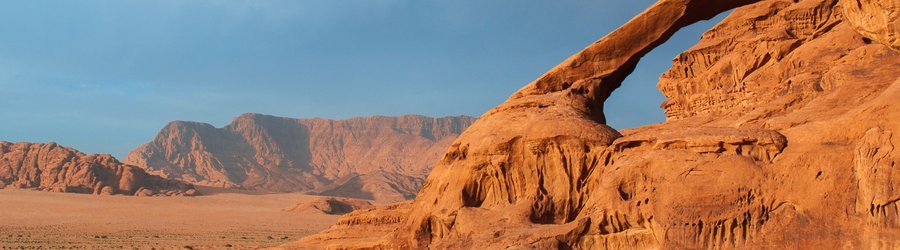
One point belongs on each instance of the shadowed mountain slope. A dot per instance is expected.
(379, 158)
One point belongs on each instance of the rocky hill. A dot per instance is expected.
(330, 205)
(779, 134)
(52, 167)
(378, 158)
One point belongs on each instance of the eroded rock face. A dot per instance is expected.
(779, 134)
(358, 230)
(784, 55)
(380, 158)
(874, 164)
(52, 167)
(876, 19)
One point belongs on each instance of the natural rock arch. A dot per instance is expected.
(542, 170)
(595, 72)
(540, 146)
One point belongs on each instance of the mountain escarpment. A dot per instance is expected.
(51, 167)
(779, 133)
(377, 158)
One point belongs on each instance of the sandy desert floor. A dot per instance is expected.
(43, 220)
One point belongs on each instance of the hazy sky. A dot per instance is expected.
(105, 76)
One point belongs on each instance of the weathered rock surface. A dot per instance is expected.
(358, 230)
(876, 19)
(52, 167)
(379, 158)
(786, 55)
(331, 205)
(779, 134)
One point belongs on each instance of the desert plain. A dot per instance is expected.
(217, 220)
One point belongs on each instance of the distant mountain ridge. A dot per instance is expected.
(380, 158)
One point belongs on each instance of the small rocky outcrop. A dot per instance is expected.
(331, 205)
(51, 167)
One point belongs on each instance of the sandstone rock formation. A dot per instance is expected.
(779, 134)
(331, 205)
(378, 158)
(52, 167)
(876, 19)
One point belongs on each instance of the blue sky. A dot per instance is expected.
(105, 76)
